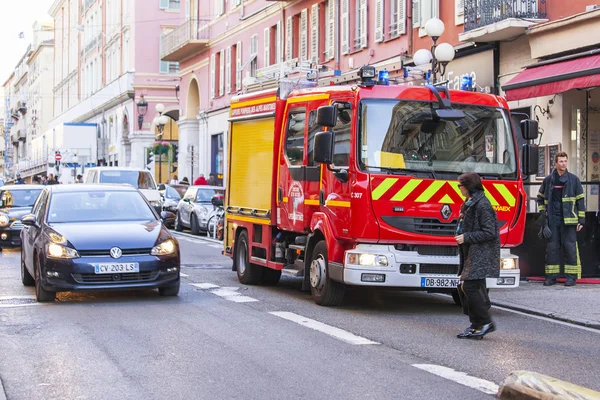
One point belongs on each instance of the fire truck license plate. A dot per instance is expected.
(439, 282)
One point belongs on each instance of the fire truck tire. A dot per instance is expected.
(248, 274)
(325, 292)
(270, 277)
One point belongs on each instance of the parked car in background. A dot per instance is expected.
(138, 178)
(170, 195)
(96, 237)
(196, 207)
(15, 202)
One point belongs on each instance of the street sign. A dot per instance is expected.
(58, 157)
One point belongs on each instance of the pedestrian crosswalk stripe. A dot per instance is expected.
(204, 285)
(227, 292)
(323, 328)
(183, 275)
(460, 377)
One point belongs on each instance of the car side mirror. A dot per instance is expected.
(327, 116)
(529, 159)
(529, 129)
(217, 201)
(323, 147)
(29, 220)
(161, 186)
(187, 199)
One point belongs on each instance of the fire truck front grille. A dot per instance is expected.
(425, 226)
(438, 269)
(440, 251)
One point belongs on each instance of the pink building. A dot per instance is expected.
(226, 47)
(106, 59)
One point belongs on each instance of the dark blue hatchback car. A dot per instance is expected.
(96, 237)
(15, 202)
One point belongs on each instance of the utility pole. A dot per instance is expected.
(192, 165)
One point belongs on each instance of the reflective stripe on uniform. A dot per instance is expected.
(542, 207)
(581, 214)
(579, 196)
(540, 194)
(552, 269)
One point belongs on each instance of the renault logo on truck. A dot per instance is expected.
(446, 211)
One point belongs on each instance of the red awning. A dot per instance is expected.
(558, 77)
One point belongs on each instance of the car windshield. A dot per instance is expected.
(137, 179)
(206, 195)
(404, 137)
(173, 194)
(19, 198)
(98, 206)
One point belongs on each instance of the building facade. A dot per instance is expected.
(106, 61)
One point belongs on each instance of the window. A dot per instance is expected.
(166, 67)
(423, 11)
(294, 141)
(313, 129)
(169, 4)
(341, 138)
(253, 52)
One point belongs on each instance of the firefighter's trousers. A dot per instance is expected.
(565, 237)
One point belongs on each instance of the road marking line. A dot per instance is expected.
(190, 236)
(323, 328)
(460, 377)
(222, 292)
(548, 319)
(240, 299)
(30, 296)
(184, 275)
(204, 285)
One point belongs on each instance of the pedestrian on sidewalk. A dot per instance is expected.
(478, 241)
(562, 205)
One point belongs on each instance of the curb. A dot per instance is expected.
(558, 317)
(201, 238)
(531, 385)
(2, 393)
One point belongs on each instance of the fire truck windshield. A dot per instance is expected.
(406, 136)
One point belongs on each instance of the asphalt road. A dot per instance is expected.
(220, 339)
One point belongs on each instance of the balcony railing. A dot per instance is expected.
(192, 31)
(480, 13)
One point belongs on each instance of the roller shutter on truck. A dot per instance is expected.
(251, 164)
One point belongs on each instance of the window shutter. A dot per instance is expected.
(289, 38)
(238, 66)
(304, 35)
(401, 23)
(222, 73)
(228, 70)
(435, 9)
(459, 12)
(314, 33)
(331, 29)
(213, 75)
(416, 13)
(379, 21)
(163, 4)
(164, 65)
(345, 27)
(266, 53)
(278, 43)
(363, 23)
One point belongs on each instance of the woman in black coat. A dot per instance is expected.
(479, 248)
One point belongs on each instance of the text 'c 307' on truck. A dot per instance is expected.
(357, 185)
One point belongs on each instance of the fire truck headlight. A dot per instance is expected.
(367, 260)
(509, 263)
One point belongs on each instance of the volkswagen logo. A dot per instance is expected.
(446, 211)
(116, 252)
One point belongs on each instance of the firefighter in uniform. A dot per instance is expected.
(561, 202)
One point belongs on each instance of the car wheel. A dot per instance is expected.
(26, 277)
(41, 294)
(178, 226)
(270, 276)
(325, 292)
(172, 290)
(248, 274)
(194, 225)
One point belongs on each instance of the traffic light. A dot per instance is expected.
(150, 160)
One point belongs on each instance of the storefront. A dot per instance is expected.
(562, 91)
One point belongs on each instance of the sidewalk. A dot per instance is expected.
(578, 304)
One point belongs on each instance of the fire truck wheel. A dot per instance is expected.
(325, 291)
(270, 277)
(248, 274)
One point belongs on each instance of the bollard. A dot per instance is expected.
(522, 385)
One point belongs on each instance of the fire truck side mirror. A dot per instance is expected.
(327, 116)
(323, 148)
(529, 129)
(529, 159)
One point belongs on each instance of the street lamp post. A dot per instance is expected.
(440, 54)
(75, 160)
(142, 109)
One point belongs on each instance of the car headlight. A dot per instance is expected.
(509, 263)
(367, 260)
(54, 250)
(4, 220)
(166, 247)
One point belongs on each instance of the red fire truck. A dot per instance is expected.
(357, 185)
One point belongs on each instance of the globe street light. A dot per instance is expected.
(440, 55)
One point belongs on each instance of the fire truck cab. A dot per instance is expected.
(357, 185)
